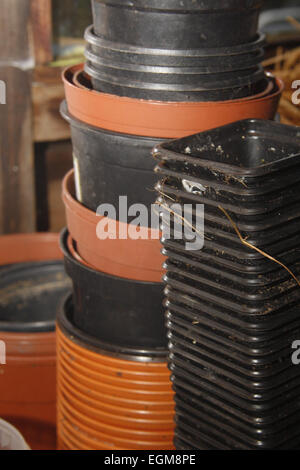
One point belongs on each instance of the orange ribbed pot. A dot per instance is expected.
(161, 119)
(139, 260)
(110, 403)
(27, 380)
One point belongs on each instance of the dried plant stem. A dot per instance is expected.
(279, 58)
(180, 217)
(249, 245)
(294, 22)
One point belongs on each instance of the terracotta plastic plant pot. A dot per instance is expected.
(98, 414)
(28, 247)
(27, 380)
(131, 259)
(161, 119)
(10, 438)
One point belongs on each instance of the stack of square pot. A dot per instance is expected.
(155, 70)
(233, 306)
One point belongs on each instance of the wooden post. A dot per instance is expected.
(17, 185)
(41, 21)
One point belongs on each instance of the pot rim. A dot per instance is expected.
(20, 249)
(85, 341)
(205, 5)
(99, 255)
(29, 247)
(97, 41)
(160, 119)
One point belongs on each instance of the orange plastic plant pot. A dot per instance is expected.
(116, 411)
(80, 400)
(127, 258)
(27, 384)
(122, 404)
(162, 119)
(26, 247)
(27, 380)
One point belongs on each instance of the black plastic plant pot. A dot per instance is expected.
(250, 293)
(222, 434)
(193, 78)
(190, 27)
(152, 93)
(262, 236)
(243, 304)
(266, 415)
(246, 282)
(29, 295)
(249, 434)
(65, 320)
(215, 216)
(190, 5)
(115, 310)
(268, 425)
(238, 254)
(289, 419)
(259, 419)
(206, 339)
(253, 376)
(233, 264)
(249, 151)
(254, 190)
(108, 165)
(108, 80)
(217, 245)
(210, 60)
(215, 232)
(245, 334)
(260, 327)
(248, 400)
(187, 191)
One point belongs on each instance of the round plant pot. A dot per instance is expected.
(175, 28)
(184, 5)
(172, 84)
(263, 88)
(123, 257)
(27, 247)
(115, 310)
(212, 60)
(29, 295)
(106, 163)
(27, 380)
(107, 400)
(159, 118)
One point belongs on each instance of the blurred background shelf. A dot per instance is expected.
(38, 39)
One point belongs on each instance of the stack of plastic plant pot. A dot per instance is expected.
(176, 51)
(233, 306)
(32, 285)
(138, 87)
(114, 389)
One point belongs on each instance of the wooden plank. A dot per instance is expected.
(17, 186)
(41, 25)
(14, 32)
(47, 94)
